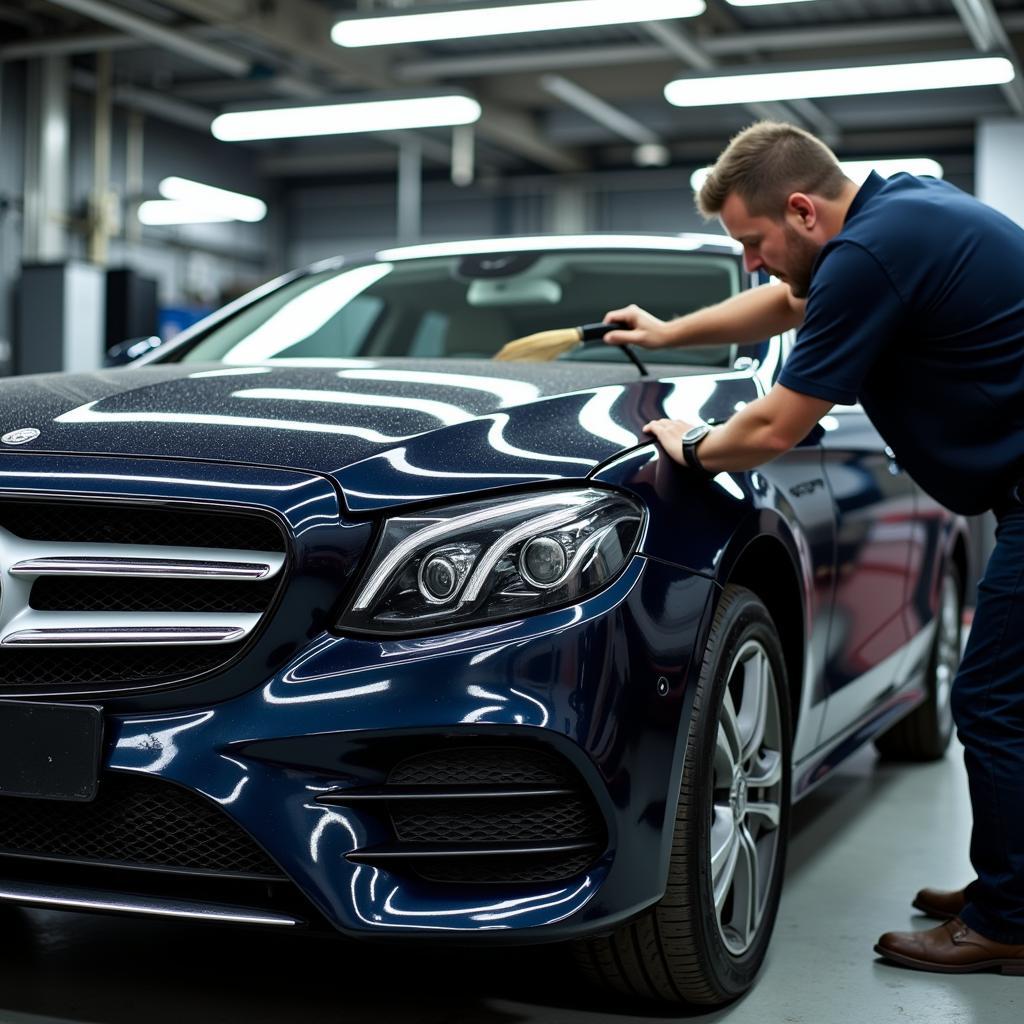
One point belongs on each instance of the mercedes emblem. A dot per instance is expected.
(22, 436)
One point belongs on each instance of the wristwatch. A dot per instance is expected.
(691, 439)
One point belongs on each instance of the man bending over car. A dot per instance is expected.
(909, 298)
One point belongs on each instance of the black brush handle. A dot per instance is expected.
(595, 332)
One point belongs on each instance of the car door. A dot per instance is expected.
(876, 511)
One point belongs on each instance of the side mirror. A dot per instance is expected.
(125, 351)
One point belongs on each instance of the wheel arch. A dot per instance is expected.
(765, 565)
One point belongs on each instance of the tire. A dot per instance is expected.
(687, 948)
(925, 733)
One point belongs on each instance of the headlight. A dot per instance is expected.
(493, 559)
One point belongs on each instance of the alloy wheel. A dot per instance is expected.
(747, 777)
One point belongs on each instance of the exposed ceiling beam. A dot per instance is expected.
(679, 41)
(486, 65)
(599, 110)
(155, 103)
(301, 28)
(981, 20)
(67, 46)
(731, 44)
(159, 35)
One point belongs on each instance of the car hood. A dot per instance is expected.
(389, 431)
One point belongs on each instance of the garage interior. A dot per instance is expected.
(108, 115)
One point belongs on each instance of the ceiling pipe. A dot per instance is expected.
(986, 31)
(599, 110)
(678, 41)
(168, 38)
(175, 111)
(732, 44)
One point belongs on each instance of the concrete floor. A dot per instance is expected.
(862, 845)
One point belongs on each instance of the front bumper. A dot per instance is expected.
(581, 683)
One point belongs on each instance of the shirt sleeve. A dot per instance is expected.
(853, 312)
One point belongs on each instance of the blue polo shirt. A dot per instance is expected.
(916, 310)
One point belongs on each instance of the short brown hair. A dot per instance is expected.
(765, 164)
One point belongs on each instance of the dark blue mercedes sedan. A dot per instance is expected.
(320, 616)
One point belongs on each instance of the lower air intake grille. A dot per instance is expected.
(511, 820)
(135, 821)
(561, 813)
(465, 765)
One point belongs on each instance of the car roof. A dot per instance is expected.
(684, 242)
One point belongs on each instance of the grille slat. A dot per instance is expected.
(134, 821)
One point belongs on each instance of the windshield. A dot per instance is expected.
(467, 307)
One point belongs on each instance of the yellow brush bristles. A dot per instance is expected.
(540, 347)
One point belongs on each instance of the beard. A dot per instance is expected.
(802, 253)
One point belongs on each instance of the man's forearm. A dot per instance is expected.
(744, 318)
(748, 439)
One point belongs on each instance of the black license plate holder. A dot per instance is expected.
(50, 751)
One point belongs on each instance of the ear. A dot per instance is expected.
(800, 207)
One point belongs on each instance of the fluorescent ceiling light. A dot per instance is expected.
(715, 90)
(234, 204)
(762, 3)
(858, 170)
(504, 19)
(170, 211)
(345, 118)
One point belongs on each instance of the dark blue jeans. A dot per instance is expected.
(988, 707)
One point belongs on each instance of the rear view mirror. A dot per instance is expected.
(495, 292)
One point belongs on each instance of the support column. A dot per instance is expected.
(463, 155)
(46, 161)
(568, 209)
(999, 151)
(410, 190)
(134, 179)
(101, 210)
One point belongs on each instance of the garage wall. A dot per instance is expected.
(193, 264)
(326, 220)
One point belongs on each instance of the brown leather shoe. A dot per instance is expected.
(951, 948)
(940, 904)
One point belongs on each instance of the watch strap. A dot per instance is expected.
(690, 441)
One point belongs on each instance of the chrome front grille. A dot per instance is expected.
(109, 583)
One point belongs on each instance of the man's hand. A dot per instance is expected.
(644, 330)
(669, 434)
(759, 432)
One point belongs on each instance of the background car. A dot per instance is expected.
(319, 615)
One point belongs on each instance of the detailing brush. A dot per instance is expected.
(548, 345)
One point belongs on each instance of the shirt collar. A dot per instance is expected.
(865, 193)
